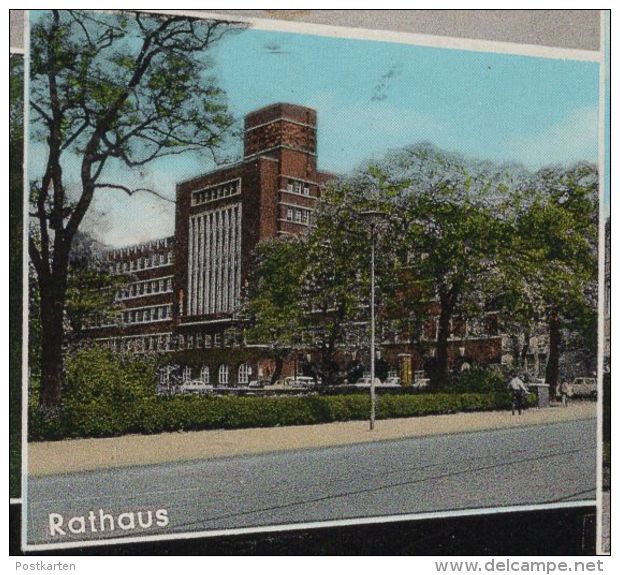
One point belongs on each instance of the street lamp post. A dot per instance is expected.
(373, 398)
(373, 216)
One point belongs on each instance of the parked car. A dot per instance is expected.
(195, 386)
(365, 381)
(299, 381)
(392, 381)
(584, 387)
(257, 384)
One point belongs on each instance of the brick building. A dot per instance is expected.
(141, 319)
(182, 291)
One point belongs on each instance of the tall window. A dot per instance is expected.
(187, 374)
(244, 373)
(214, 272)
(222, 374)
(204, 374)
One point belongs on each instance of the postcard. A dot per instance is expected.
(290, 276)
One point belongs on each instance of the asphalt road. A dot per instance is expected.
(527, 465)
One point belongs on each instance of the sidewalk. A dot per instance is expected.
(52, 457)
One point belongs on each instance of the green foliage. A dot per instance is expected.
(271, 307)
(478, 380)
(109, 395)
(107, 89)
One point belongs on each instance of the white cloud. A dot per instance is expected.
(573, 138)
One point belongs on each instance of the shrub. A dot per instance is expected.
(108, 395)
(478, 380)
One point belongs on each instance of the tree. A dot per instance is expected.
(552, 260)
(108, 90)
(336, 280)
(271, 311)
(447, 229)
(91, 287)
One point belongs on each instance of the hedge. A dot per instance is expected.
(107, 396)
(160, 414)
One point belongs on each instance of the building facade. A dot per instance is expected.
(141, 319)
(181, 293)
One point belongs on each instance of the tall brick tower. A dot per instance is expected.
(285, 132)
(223, 214)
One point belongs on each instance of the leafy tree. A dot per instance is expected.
(552, 260)
(271, 309)
(91, 288)
(447, 229)
(336, 280)
(108, 90)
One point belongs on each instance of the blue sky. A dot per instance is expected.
(373, 96)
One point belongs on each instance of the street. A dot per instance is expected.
(527, 465)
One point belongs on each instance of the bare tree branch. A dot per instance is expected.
(131, 191)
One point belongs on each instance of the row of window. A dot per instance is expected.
(213, 193)
(137, 248)
(297, 187)
(207, 340)
(147, 314)
(142, 263)
(139, 344)
(299, 215)
(149, 343)
(203, 375)
(147, 287)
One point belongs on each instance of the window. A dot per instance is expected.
(243, 375)
(222, 374)
(217, 340)
(306, 190)
(204, 374)
(289, 214)
(187, 374)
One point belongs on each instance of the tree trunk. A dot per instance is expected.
(53, 293)
(524, 349)
(277, 372)
(51, 310)
(552, 373)
(440, 374)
